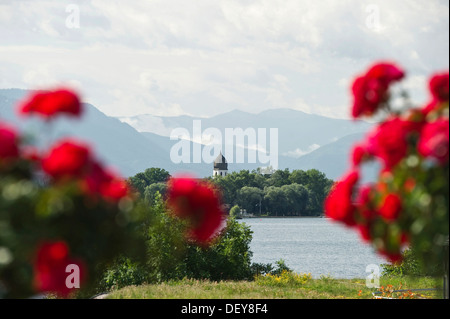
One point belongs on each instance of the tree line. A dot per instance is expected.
(281, 193)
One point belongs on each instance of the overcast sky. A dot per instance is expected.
(205, 57)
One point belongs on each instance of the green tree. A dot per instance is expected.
(319, 185)
(275, 200)
(297, 197)
(249, 198)
(240, 188)
(235, 211)
(227, 187)
(228, 259)
(138, 182)
(299, 176)
(151, 192)
(150, 176)
(166, 245)
(279, 178)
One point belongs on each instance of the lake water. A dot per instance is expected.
(311, 245)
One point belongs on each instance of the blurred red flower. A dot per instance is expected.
(388, 142)
(114, 188)
(48, 104)
(31, 154)
(198, 202)
(359, 154)
(434, 140)
(394, 256)
(339, 205)
(391, 207)
(68, 158)
(364, 230)
(431, 106)
(371, 89)
(99, 181)
(51, 261)
(439, 86)
(364, 202)
(8, 142)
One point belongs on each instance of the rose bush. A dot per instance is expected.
(408, 205)
(58, 207)
(62, 207)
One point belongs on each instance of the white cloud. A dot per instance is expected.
(148, 123)
(170, 57)
(297, 153)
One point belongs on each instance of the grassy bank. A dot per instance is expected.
(273, 288)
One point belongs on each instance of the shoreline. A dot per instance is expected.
(261, 217)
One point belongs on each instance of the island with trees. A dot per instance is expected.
(280, 193)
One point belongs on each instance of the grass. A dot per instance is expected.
(263, 288)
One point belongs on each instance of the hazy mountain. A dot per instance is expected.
(305, 141)
(298, 131)
(334, 159)
(115, 143)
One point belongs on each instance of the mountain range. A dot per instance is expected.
(132, 144)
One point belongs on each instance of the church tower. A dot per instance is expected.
(220, 166)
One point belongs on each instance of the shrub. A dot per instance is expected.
(59, 207)
(285, 278)
(229, 258)
(408, 205)
(123, 273)
(260, 269)
(410, 266)
(281, 267)
(165, 245)
(235, 211)
(170, 256)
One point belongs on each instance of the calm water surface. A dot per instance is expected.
(311, 245)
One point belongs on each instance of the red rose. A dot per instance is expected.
(99, 181)
(8, 142)
(338, 205)
(434, 140)
(386, 73)
(409, 185)
(114, 189)
(52, 259)
(430, 107)
(389, 142)
(179, 194)
(359, 154)
(67, 159)
(49, 104)
(364, 202)
(439, 87)
(391, 207)
(371, 90)
(365, 232)
(394, 257)
(368, 94)
(31, 154)
(364, 205)
(198, 202)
